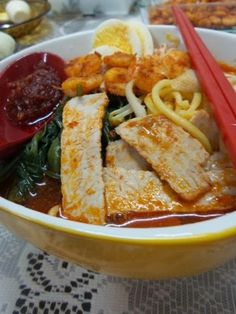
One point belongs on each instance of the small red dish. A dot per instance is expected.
(12, 136)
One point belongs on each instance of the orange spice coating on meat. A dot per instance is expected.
(173, 153)
(116, 79)
(84, 66)
(134, 191)
(151, 69)
(119, 59)
(87, 84)
(117, 70)
(81, 164)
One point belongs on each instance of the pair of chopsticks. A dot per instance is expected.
(219, 91)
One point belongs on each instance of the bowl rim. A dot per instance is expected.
(47, 8)
(206, 231)
(188, 234)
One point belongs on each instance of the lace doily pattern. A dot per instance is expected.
(33, 282)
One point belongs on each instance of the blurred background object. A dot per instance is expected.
(18, 11)
(7, 45)
(38, 9)
(219, 15)
(92, 7)
(65, 6)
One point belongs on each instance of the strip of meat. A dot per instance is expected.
(141, 191)
(177, 157)
(222, 176)
(121, 154)
(132, 190)
(223, 193)
(204, 122)
(81, 162)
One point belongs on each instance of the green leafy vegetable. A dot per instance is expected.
(7, 168)
(54, 159)
(39, 157)
(108, 131)
(79, 90)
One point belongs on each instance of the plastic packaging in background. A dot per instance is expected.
(214, 15)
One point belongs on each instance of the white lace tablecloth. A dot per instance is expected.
(32, 282)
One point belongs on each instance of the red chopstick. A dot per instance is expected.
(217, 88)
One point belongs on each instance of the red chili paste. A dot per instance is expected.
(34, 96)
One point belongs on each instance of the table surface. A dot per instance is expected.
(32, 281)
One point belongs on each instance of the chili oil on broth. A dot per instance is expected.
(186, 213)
(49, 195)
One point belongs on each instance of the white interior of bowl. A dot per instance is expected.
(223, 47)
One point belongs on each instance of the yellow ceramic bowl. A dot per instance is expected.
(151, 253)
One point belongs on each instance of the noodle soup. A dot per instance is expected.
(132, 143)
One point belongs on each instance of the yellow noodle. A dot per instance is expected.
(150, 105)
(196, 101)
(185, 105)
(174, 40)
(186, 114)
(170, 114)
(178, 98)
(166, 91)
(180, 103)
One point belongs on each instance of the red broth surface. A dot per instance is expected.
(49, 195)
(49, 190)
